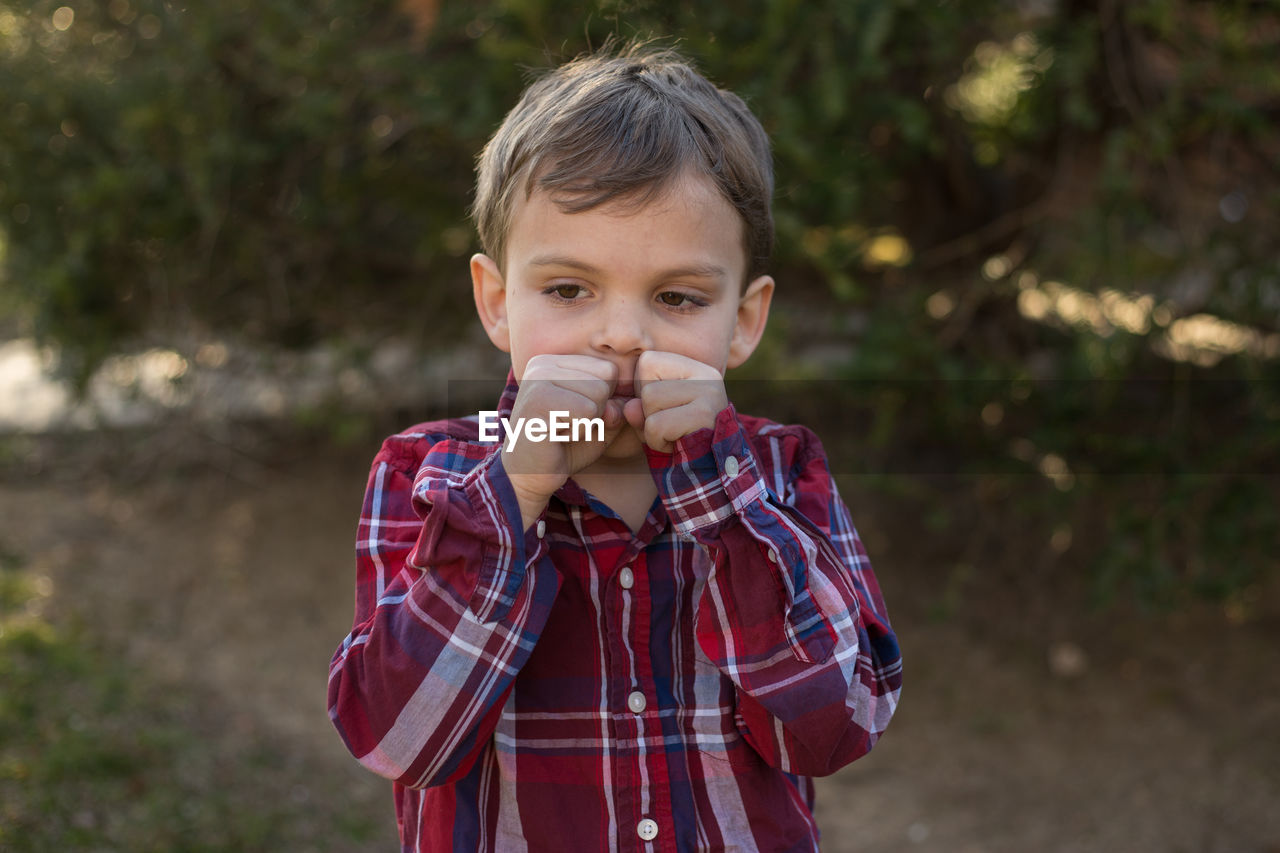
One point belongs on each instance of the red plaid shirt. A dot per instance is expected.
(583, 687)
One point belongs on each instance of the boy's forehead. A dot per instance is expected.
(685, 189)
(541, 216)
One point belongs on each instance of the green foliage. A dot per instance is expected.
(287, 172)
(293, 170)
(267, 168)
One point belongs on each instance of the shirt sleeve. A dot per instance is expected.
(451, 596)
(791, 611)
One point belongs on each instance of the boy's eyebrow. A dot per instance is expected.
(696, 270)
(562, 261)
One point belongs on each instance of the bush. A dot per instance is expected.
(287, 169)
(291, 172)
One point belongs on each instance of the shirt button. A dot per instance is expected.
(636, 702)
(542, 528)
(773, 556)
(731, 466)
(626, 578)
(647, 829)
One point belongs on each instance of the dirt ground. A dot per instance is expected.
(1028, 723)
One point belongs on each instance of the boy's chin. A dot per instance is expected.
(626, 445)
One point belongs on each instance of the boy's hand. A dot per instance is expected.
(578, 384)
(676, 395)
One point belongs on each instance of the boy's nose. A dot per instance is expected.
(622, 332)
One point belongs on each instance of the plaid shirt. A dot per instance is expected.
(582, 687)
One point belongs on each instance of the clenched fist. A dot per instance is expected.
(675, 395)
(579, 385)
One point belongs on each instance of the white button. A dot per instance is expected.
(731, 466)
(542, 528)
(636, 702)
(626, 578)
(647, 829)
(773, 556)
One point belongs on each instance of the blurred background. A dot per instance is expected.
(1029, 295)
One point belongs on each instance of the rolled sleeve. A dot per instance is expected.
(710, 478)
(481, 516)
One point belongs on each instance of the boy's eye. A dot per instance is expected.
(676, 299)
(565, 291)
(681, 301)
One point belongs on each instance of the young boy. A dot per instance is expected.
(641, 640)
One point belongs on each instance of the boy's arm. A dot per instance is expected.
(451, 596)
(791, 611)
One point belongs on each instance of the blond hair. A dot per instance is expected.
(622, 125)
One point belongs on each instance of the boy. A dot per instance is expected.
(650, 639)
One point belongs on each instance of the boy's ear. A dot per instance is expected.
(490, 293)
(753, 314)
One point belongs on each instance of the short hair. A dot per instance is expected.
(622, 125)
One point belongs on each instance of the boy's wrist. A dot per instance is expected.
(532, 505)
(532, 484)
(532, 491)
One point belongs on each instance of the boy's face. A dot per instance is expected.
(615, 281)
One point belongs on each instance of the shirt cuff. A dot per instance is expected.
(483, 509)
(708, 476)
